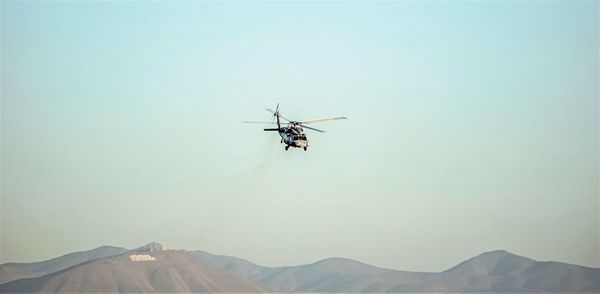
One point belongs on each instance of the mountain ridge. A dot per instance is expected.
(497, 271)
(162, 271)
(13, 270)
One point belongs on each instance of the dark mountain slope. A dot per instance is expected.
(230, 263)
(171, 271)
(498, 271)
(14, 271)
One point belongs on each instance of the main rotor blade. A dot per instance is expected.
(273, 112)
(321, 120)
(311, 128)
(259, 122)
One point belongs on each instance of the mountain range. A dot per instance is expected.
(113, 269)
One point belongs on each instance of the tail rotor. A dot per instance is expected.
(276, 113)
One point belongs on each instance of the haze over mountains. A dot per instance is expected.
(111, 269)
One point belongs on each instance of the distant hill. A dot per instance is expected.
(199, 271)
(328, 275)
(172, 271)
(495, 271)
(337, 275)
(502, 271)
(500, 262)
(14, 271)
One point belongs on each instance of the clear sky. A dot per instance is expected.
(473, 126)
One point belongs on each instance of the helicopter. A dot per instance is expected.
(291, 131)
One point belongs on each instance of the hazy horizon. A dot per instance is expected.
(473, 126)
(449, 266)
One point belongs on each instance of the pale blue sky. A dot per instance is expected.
(473, 126)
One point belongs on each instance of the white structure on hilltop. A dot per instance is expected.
(156, 246)
(143, 257)
(152, 246)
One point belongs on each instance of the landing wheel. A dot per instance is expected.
(287, 147)
(281, 142)
(304, 148)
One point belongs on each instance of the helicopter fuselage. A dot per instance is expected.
(293, 137)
